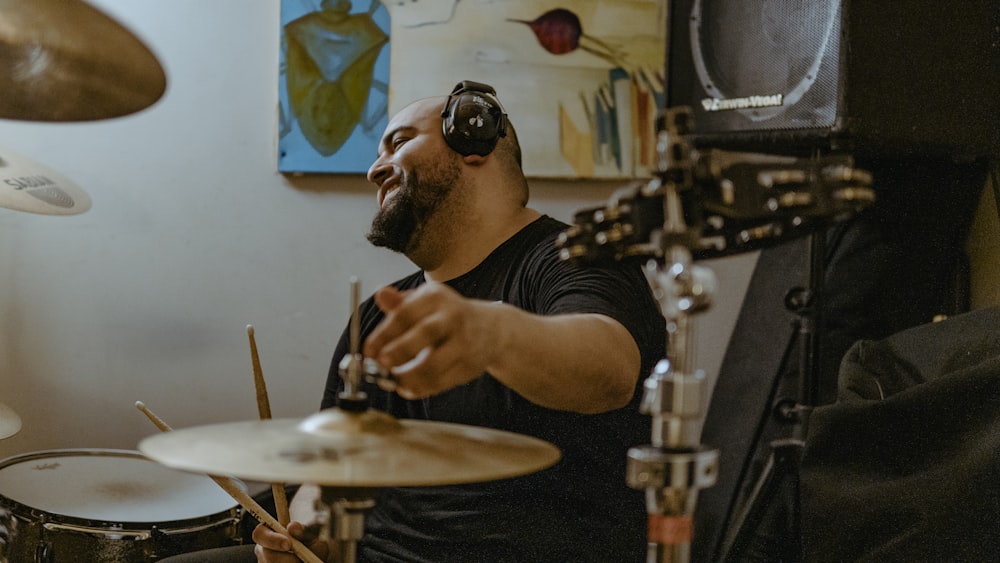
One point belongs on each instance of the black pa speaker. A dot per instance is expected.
(473, 119)
(882, 78)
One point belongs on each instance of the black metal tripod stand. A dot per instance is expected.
(779, 479)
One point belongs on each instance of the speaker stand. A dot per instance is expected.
(779, 479)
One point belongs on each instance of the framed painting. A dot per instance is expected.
(581, 84)
(333, 84)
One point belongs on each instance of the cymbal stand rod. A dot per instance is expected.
(355, 366)
(352, 365)
(674, 468)
(348, 509)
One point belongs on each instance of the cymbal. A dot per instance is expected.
(64, 60)
(340, 448)
(26, 185)
(10, 423)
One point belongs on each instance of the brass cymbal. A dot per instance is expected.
(64, 60)
(26, 185)
(340, 448)
(10, 423)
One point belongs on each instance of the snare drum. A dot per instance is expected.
(108, 506)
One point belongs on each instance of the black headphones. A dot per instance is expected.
(473, 120)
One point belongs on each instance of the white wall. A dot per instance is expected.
(192, 236)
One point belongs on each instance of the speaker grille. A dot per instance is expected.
(767, 56)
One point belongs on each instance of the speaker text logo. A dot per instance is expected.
(715, 104)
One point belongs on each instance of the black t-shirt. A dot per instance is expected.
(579, 510)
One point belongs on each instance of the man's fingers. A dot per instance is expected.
(388, 298)
(269, 539)
(403, 312)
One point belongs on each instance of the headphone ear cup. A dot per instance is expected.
(473, 121)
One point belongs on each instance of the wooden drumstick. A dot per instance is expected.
(245, 500)
(264, 409)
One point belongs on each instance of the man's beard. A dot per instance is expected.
(398, 225)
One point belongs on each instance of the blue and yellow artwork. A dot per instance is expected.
(333, 84)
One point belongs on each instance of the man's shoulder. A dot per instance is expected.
(547, 225)
(541, 233)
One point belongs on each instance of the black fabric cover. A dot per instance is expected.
(891, 268)
(906, 465)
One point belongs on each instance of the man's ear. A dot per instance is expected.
(474, 159)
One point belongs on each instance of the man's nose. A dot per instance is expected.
(378, 171)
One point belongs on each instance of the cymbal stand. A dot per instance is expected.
(345, 508)
(674, 468)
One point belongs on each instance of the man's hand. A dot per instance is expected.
(273, 547)
(432, 338)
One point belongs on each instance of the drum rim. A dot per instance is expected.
(22, 511)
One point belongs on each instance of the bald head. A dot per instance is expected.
(422, 120)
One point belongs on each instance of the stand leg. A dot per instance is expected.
(782, 469)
